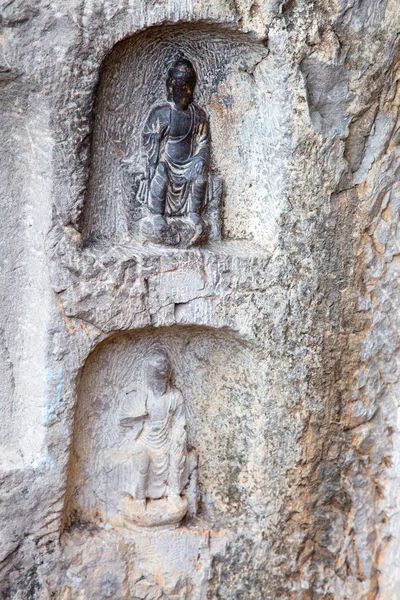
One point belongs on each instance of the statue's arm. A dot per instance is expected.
(153, 132)
(203, 138)
(179, 426)
(135, 424)
(178, 449)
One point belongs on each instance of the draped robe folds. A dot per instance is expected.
(158, 454)
(172, 157)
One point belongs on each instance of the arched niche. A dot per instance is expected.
(243, 89)
(223, 385)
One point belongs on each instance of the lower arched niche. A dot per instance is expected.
(221, 381)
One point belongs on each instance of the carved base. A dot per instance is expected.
(154, 513)
(181, 232)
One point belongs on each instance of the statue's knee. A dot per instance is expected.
(142, 463)
(162, 170)
(201, 180)
(158, 190)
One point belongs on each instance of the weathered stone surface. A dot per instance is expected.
(284, 335)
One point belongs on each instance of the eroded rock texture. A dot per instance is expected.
(284, 335)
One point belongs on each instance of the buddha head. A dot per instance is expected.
(158, 368)
(181, 83)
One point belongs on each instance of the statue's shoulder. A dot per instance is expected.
(201, 114)
(160, 111)
(177, 396)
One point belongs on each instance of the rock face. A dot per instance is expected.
(272, 447)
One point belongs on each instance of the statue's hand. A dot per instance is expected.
(196, 168)
(130, 422)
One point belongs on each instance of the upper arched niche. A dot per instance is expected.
(242, 87)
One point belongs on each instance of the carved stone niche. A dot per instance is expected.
(235, 88)
(162, 418)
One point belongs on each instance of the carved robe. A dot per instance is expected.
(158, 455)
(173, 140)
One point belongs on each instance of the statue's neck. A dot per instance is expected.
(158, 387)
(180, 108)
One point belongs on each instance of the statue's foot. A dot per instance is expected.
(154, 228)
(151, 227)
(140, 505)
(172, 234)
(183, 231)
(158, 222)
(196, 225)
(154, 513)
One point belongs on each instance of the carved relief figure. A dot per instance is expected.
(158, 454)
(178, 171)
(175, 188)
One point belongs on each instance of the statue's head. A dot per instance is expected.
(181, 83)
(158, 366)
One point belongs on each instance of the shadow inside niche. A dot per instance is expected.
(220, 379)
(133, 79)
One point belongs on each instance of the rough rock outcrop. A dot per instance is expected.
(284, 334)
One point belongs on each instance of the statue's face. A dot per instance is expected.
(182, 93)
(159, 367)
(181, 83)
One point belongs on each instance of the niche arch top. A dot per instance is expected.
(244, 92)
